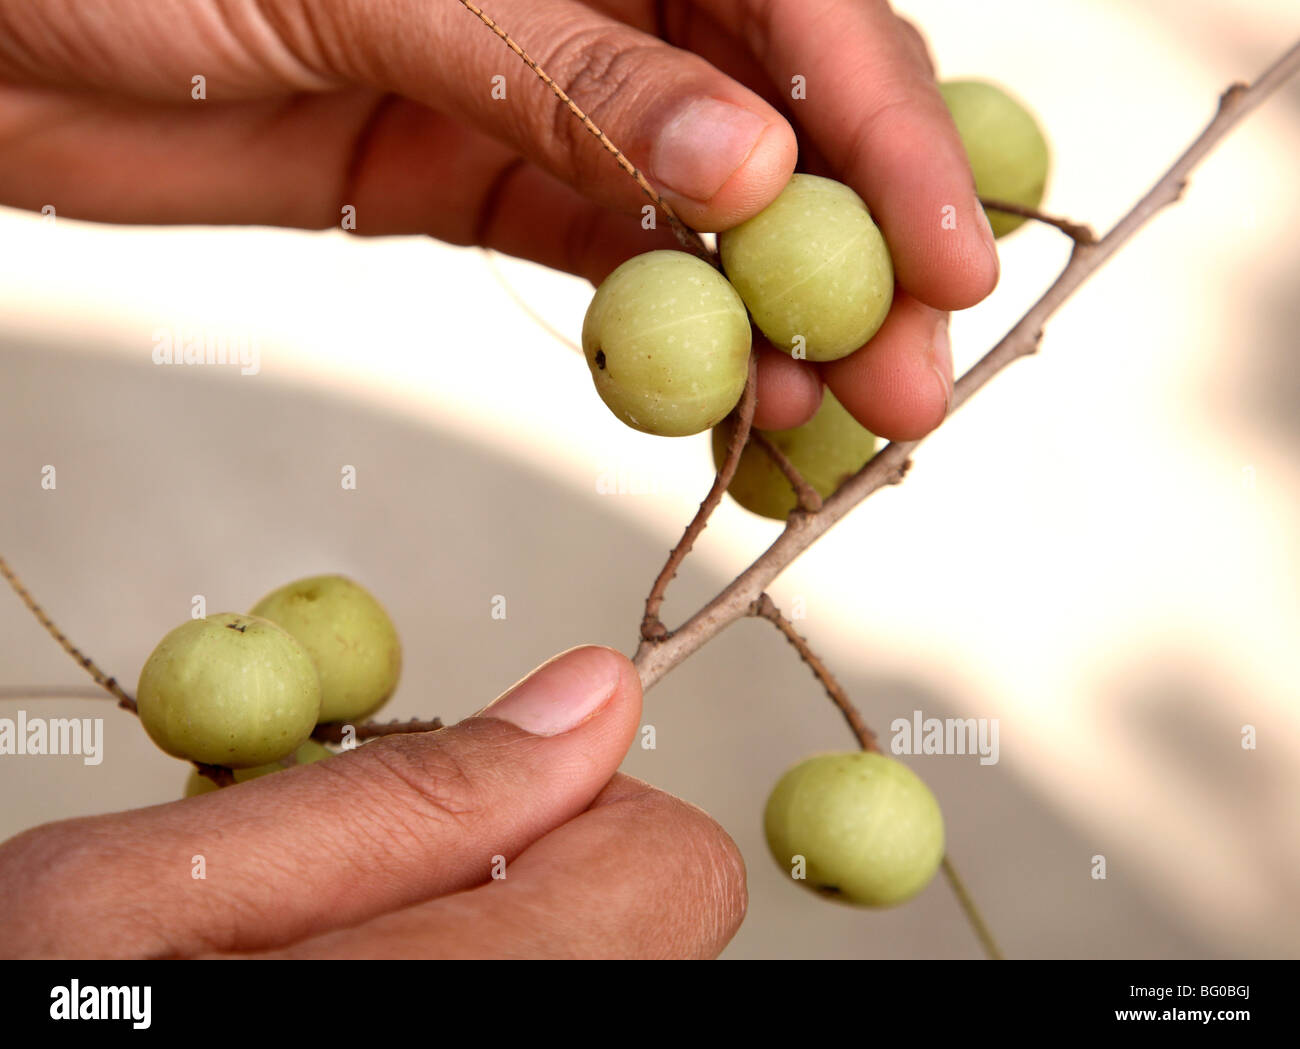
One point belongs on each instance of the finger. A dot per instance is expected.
(874, 112)
(400, 820)
(899, 386)
(789, 391)
(716, 150)
(640, 875)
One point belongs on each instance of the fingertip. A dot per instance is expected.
(789, 391)
(899, 385)
(719, 162)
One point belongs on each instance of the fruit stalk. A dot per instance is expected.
(651, 626)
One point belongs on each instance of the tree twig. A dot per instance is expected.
(104, 681)
(1077, 232)
(765, 608)
(652, 628)
(808, 497)
(689, 239)
(654, 661)
(973, 916)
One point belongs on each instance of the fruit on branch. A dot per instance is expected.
(867, 826)
(349, 637)
(1007, 150)
(197, 783)
(826, 450)
(813, 269)
(667, 341)
(232, 690)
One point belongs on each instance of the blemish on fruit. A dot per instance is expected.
(600, 359)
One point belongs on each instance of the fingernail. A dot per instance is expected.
(702, 146)
(560, 694)
(941, 361)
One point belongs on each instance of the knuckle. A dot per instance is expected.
(419, 783)
(597, 67)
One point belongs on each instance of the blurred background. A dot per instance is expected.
(1101, 551)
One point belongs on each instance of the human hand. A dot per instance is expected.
(388, 851)
(310, 107)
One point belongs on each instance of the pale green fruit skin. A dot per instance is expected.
(349, 637)
(1007, 150)
(868, 827)
(673, 343)
(812, 263)
(304, 755)
(826, 450)
(230, 689)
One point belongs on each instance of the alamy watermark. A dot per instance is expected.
(922, 735)
(205, 346)
(23, 735)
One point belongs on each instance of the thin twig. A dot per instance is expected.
(765, 608)
(653, 661)
(652, 629)
(688, 237)
(807, 495)
(982, 931)
(105, 682)
(335, 731)
(1077, 232)
(524, 305)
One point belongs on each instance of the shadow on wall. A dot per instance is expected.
(174, 482)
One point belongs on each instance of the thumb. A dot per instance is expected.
(404, 819)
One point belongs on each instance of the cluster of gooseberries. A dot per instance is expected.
(246, 691)
(667, 338)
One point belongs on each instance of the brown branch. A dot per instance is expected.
(689, 239)
(809, 499)
(742, 420)
(101, 679)
(653, 661)
(765, 608)
(1078, 233)
(334, 732)
(973, 916)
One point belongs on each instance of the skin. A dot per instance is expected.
(385, 107)
(387, 850)
(389, 109)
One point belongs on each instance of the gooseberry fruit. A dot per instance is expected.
(1006, 148)
(667, 341)
(348, 635)
(304, 755)
(813, 269)
(868, 827)
(826, 450)
(230, 689)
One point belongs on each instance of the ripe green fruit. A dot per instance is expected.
(349, 637)
(231, 690)
(667, 341)
(868, 827)
(1007, 151)
(812, 266)
(304, 755)
(827, 450)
